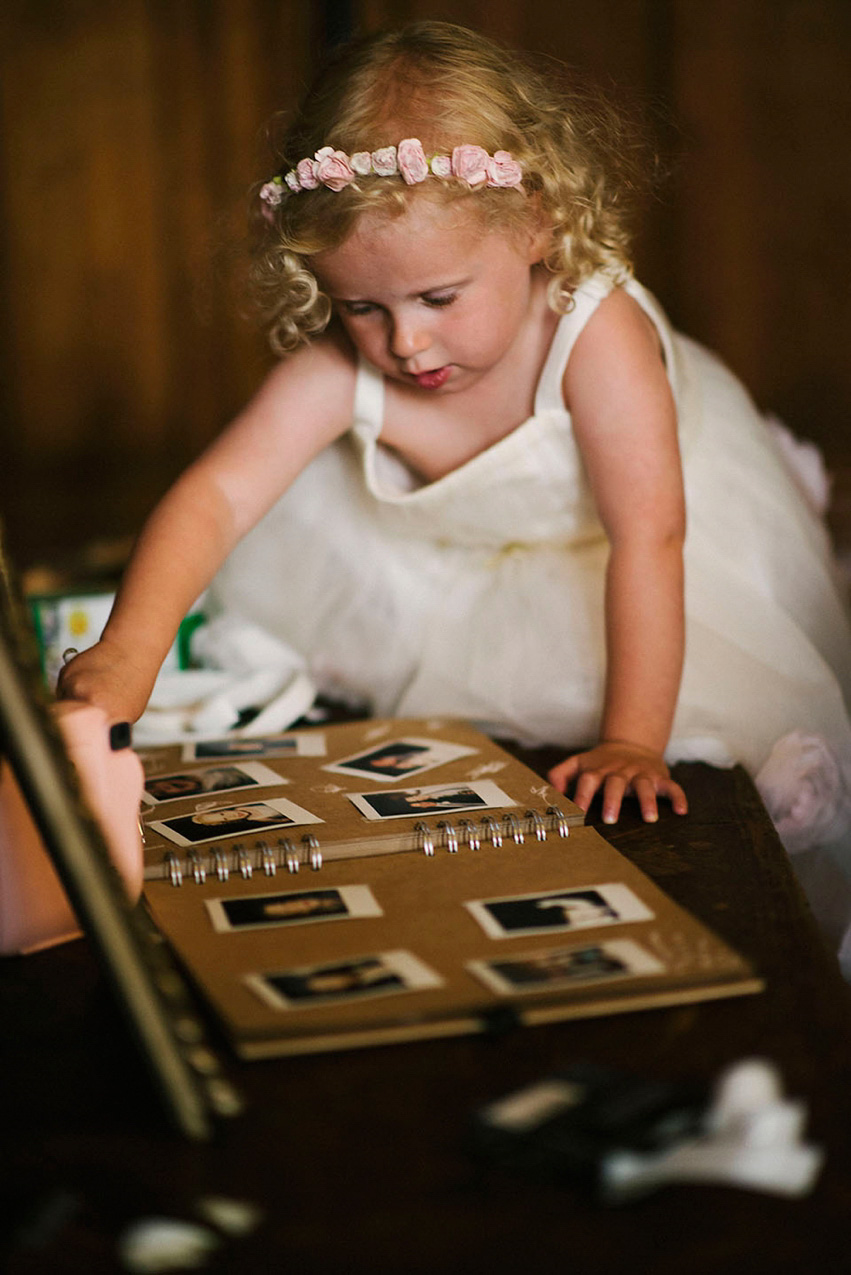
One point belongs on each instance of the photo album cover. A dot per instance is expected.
(389, 880)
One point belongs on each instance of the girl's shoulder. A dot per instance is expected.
(602, 313)
(617, 327)
(318, 378)
(329, 354)
(622, 314)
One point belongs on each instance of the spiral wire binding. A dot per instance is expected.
(491, 829)
(267, 858)
(314, 851)
(286, 854)
(426, 839)
(450, 836)
(291, 857)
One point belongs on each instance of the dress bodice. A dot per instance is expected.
(529, 487)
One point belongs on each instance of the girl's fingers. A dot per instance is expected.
(561, 775)
(646, 787)
(676, 796)
(645, 791)
(586, 787)
(613, 792)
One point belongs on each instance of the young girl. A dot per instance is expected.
(488, 436)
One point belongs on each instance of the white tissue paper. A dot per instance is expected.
(807, 791)
(242, 667)
(754, 1139)
(805, 463)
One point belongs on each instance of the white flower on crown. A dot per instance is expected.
(384, 161)
(361, 162)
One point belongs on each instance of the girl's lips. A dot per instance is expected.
(434, 379)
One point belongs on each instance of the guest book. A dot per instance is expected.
(388, 880)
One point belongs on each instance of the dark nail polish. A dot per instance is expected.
(119, 736)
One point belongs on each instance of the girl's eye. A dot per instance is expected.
(356, 307)
(443, 298)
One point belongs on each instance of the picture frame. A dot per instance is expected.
(148, 984)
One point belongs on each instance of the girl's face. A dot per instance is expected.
(431, 298)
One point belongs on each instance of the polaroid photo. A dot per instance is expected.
(398, 759)
(564, 967)
(558, 910)
(180, 784)
(358, 978)
(292, 744)
(434, 799)
(291, 907)
(232, 821)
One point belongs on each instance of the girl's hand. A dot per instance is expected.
(107, 676)
(619, 768)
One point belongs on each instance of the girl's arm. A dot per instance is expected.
(625, 423)
(304, 404)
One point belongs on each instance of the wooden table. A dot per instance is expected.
(358, 1161)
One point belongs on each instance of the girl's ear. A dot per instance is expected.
(539, 244)
(538, 234)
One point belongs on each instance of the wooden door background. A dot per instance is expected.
(131, 130)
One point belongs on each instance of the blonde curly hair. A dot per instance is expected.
(583, 163)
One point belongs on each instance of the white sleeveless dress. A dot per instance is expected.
(481, 594)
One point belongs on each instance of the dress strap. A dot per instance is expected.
(369, 400)
(586, 298)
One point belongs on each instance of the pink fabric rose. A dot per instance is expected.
(292, 181)
(384, 161)
(333, 168)
(503, 170)
(361, 163)
(272, 193)
(470, 163)
(413, 164)
(441, 166)
(306, 173)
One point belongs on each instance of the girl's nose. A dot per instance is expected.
(407, 339)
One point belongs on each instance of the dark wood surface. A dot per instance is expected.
(358, 1159)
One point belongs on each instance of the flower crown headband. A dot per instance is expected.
(335, 169)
